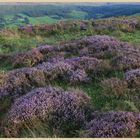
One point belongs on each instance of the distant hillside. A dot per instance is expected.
(19, 14)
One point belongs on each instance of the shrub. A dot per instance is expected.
(111, 125)
(133, 78)
(78, 76)
(96, 43)
(27, 59)
(53, 70)
(86, 63)
(114, 87)
(100, 46)
(114, 24)
(45, 49)
(65, 111)
(22, 80)
(126, 62)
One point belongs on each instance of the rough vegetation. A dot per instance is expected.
(85, 82)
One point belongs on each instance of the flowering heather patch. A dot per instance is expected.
(100, 42)
(50, 52)
(35, 76)
(56, 59)
(74, 70)
(45, 49)
(27, 59)
(133, 77)
(54, 69)
(111, 24)
(78, 76)
(114, 86)
(126, 62)
(95, 43)
(128, 57)
(72, 47)
(65, 111)
(20, 81)
(14, 86)
(112, 124)
(100, 46)
(105, 46)
(86, 63)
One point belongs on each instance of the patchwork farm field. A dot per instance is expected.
(76, 78)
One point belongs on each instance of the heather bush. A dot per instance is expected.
(61, 110)
(126, 62)
(53, 70)
(100, 46)
(22, 80)
(27, 59)
(133, 78)
(50, 52)
(112, 124)
(114, 87)
(72, 47)
(115, 24)
(14, 86)
(78, 76)
(45, 49)
(99, 43)
(86, 63)
(94, 43)
(35, 76)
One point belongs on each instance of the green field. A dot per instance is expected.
(20, 19)
(77, 15)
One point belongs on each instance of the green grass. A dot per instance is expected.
(41, 20)
(131, 37)
(77, 14)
